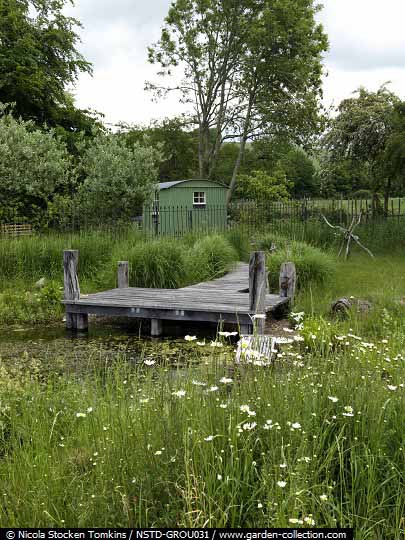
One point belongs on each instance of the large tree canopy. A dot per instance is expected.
(364, 131)
(38, 60)
(251, 68)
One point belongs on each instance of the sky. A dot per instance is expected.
(366, 48)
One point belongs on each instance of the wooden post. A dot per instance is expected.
(258, 288)
(74, 321)
(155, 327)
(123, 275)
(288, 280)
(245, 329)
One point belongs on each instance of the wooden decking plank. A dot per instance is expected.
(219, 299)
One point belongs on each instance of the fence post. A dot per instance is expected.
(74, 321)
(257, 289)
(288, 280)
(123, 275)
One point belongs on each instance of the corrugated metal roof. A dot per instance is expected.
(167, 185)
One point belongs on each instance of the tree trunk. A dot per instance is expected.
(242, 146)
(204, 150)
(387, 193)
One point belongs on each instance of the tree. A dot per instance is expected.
(281, 153)
(394, 154)
(250, 68)
(261, 187)
(118, 178)
(34, 167)
(38, 60)
(177, 145)
(341, 177)
(300, 172)
(361, 132)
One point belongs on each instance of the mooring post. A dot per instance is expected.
(74, 321)
(123, 275)
(258, 289)
(155, 327)
(288, 281)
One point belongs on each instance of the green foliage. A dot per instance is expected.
(210, 258)
(28, 306)
(32, 258)
(261, 187)
(38, 60)
(178, 147)
(394, 154)
(312, 265)
(240, 241)
(34, 166)
(158, 264)
(365, 131)
(300, 173)
(118, 178)
(341, 176)
(362, 194)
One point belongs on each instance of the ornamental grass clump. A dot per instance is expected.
(312, 264)
(159, 264)
(210, 258)
(239, 240)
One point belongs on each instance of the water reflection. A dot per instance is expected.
(57, 348)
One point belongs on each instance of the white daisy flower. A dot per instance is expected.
(179, 393)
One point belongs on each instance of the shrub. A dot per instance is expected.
(312, 264)
(118, 177)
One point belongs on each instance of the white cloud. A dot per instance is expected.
(367, 47)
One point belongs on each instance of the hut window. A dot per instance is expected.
(199, 198)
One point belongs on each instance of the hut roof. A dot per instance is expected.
(167, 185)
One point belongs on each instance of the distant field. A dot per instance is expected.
(354, 206)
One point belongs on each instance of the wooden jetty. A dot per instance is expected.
(232, 299)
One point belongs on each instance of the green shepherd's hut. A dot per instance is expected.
(186, 205)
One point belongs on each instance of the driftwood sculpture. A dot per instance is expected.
(348, 236)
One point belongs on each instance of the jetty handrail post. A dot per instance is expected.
(123, 275)
(288, 281)
(258, 289)
(74, 321)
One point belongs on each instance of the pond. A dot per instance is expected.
(55, 348)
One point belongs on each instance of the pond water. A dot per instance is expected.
(56, 347)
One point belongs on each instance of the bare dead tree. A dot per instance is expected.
(348, 236)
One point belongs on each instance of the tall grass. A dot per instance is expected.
(313, 265)
(31, 258)
(158, 264)
(210, 258)
(315, 440)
